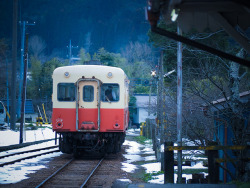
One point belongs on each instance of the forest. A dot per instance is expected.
(89, 24)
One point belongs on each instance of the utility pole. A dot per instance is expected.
(24, 91)
(70, 51)
(153, 75)
(149, 99)
(161, 86)
(179, 105)
(14, 62)
(23, 25)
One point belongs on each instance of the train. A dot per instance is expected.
(90, 108)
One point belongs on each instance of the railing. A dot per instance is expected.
(213, 159)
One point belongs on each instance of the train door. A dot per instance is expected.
(88, 105)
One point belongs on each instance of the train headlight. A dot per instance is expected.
(110, 75)
(59, 123)
(116, 126)
(66, 74)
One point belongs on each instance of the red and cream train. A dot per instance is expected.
(90, 108)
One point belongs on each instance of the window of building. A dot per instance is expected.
(110, 92)
(88, 93)
(66, 92)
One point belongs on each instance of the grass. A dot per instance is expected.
(144, 162)
(35, 127)
(240, 184)
(150, 176)
(193, 171)
(141, 139)
(32, 126)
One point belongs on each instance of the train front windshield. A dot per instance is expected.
(66, 92)
(110, 92)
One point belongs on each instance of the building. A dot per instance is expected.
(142, 108)
(30, 115)
(225, 134)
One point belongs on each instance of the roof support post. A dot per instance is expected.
(198, 45)
(231, 31)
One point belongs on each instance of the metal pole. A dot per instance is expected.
(24, 90)
(149, 100)
(21, 70)
(157, 132)
(44, 114)
(161, 80)
(168, 163)
(14, 62)
(179, 104)
(70, 52)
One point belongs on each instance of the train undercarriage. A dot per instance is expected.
(81, 143)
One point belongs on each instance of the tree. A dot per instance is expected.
(46, 77)
(87, 44)
(132, 107)
(33, 82)
(84, 56)
(207, 80)
(137, 51)
(140, 61)
(40, 83)
(105, 57)
(4, 66)
(37, 46)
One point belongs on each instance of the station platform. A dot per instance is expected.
(127, 184)
(182, 185)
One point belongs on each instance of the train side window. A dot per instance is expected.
(66, 92)
(110, 92)
(88, 93)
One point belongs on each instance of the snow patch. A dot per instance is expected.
(128, 167)
(19, 171)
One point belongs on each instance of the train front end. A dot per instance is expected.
(90, 108)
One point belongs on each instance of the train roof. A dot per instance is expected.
(73, 73)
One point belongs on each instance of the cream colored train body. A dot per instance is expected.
(90, 108)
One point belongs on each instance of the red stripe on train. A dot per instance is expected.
(111, 120)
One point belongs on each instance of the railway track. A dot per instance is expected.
(74, 173)
(18, 146)
(27, 154)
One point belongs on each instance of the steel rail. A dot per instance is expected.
(56, 172)
(29, 157)
(92, 172)
(28, 151)
(16, 146)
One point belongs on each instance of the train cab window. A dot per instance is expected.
(88, 93)
(66, 92)
(110, 92)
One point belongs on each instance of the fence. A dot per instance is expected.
(150, 130)
(213, 160)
